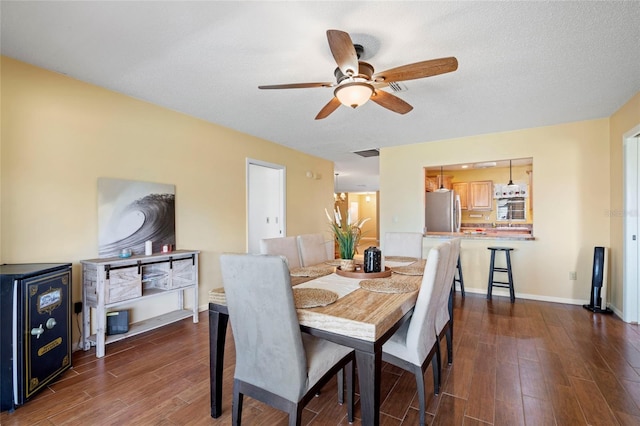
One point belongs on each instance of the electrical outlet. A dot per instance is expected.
(573, 276)
(77, 307)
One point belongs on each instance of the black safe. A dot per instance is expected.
(35, 328)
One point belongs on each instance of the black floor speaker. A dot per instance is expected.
(598, 282)
(117, 322)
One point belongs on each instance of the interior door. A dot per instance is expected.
(265, 204)
(631, 227)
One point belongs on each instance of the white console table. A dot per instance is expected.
(109, 282)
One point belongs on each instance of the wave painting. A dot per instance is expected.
(131, 213)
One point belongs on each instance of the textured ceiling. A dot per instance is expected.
(521, 64)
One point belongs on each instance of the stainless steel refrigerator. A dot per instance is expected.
(442, 212)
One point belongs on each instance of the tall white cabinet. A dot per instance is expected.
(110, 282)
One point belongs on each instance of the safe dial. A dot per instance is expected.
(51, 322)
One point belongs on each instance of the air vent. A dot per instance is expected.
(397, 87)
(485, 165)
(368, 153)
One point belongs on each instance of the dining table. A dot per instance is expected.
(360, 318)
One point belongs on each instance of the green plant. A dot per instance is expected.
(347, 236)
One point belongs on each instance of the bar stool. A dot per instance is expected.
(459, 279)
(492, 268)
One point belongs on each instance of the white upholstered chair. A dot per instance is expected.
(444, 316)
(275, 362)
(314, 249)
(407, 244)
(414, 345)
(284, 246)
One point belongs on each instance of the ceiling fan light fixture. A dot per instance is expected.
(354, 94)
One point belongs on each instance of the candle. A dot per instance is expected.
(148, 248)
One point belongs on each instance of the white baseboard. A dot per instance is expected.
(505, 292)
(618, 312)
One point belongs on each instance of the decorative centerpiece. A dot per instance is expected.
(372, 260)
(347, 237)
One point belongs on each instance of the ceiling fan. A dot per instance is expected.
(356, 81)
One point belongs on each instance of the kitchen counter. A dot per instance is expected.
(488, 234)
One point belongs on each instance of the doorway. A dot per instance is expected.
(362, 205)
(265, 202)
(631, 225)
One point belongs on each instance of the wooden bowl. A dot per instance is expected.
(359, 273)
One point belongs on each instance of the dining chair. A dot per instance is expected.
(413, 346)
(284, 246)
(407, 244)
(314, 249)
(275, 362)
(444, 316)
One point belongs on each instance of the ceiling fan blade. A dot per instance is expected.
(343, 51)
(391, 102)
(418, 70)
(296, 85)
(328, 108)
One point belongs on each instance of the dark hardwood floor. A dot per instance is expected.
(530, 362)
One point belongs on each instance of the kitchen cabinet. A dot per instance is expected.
(480, 195)
(432, 183)
(462, 190)
(110, 282)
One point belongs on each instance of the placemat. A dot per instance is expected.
(400, 259)
(389, 285)
(416, 268)
(313, 297)
(217, 296)
(312, 271)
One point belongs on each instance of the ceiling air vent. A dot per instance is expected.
(485, 165)
(397, 86)
(368, 153)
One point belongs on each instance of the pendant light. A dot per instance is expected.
(342, 195)
(510, 181)
(442, 188)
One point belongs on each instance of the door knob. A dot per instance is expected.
(37, 331)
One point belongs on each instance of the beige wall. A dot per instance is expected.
(571, 201)
(367, 210)
(59, 135)
(623, 121)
